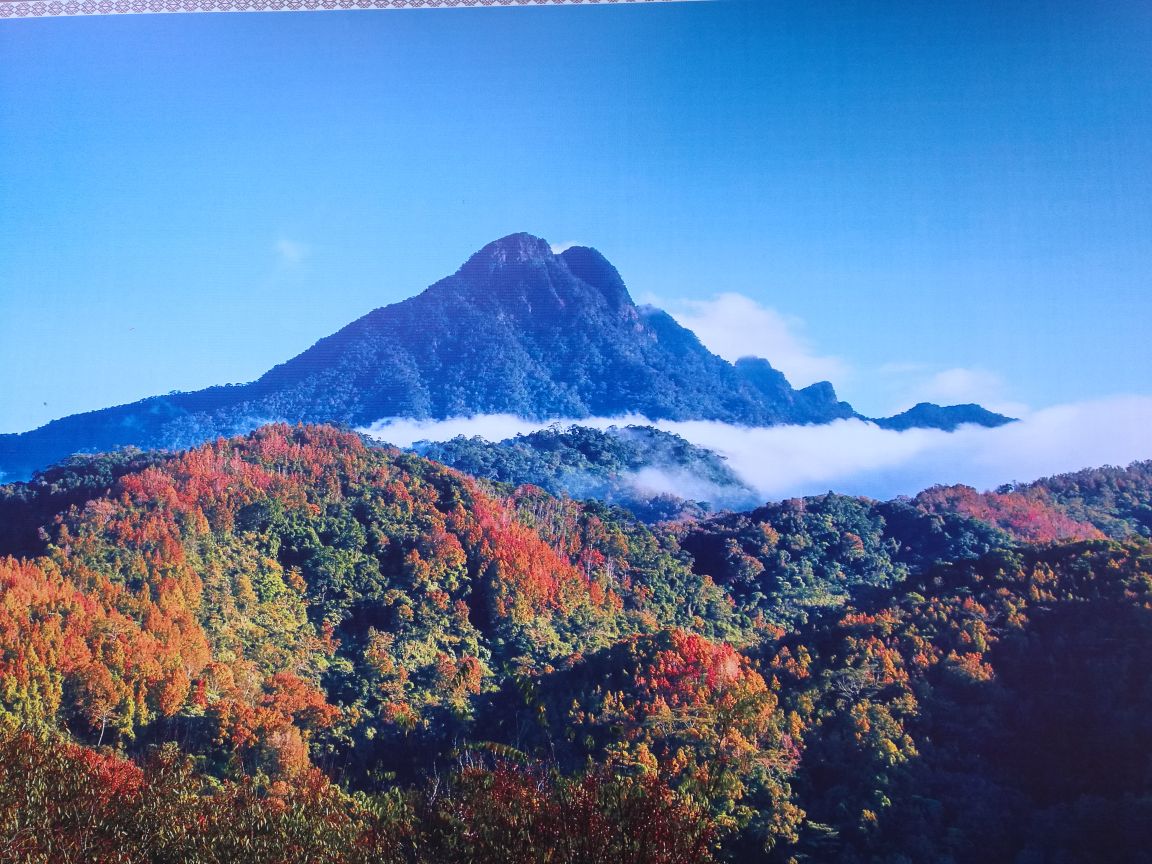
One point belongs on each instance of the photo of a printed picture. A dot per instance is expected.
(575, 432)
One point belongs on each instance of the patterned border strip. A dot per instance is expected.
(62, 8)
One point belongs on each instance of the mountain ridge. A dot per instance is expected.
(517, 329)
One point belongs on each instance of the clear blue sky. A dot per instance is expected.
(187, 200)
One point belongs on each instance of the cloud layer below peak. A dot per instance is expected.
(856, 457)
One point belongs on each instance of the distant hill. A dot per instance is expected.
(517, 329)
(1083, 505)
(655, 474)
(925, 415)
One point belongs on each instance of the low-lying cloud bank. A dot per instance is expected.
(856, 457)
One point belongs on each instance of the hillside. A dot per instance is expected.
(1083, 505)
(656, 475)
(293, 646)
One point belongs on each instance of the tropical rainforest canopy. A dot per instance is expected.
(297, 646)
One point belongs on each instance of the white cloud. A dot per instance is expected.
(652, 481)
(733, 325)
(856, 457)
(404, 432)
(557, 248)
(902, 368)
(736, 326)
(291, 253)
(962, 385)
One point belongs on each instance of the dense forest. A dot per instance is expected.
(296, 646)
(654, 474)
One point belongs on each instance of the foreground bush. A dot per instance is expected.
(61, 802)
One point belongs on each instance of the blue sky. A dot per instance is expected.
(925, 199)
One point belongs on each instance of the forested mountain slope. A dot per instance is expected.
(1090, 504)
(293, 646)
(656, 475)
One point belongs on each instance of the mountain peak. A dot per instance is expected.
(592, 268)
(516, 330)
(521, 273)
(517, 248)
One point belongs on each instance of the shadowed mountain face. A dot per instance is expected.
(522, 331)
(516, 330)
